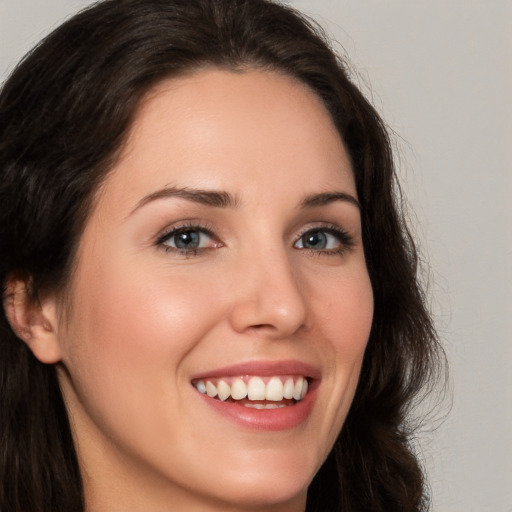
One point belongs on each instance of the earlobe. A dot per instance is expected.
(33, 321)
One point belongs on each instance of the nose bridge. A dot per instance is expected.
(269, 295)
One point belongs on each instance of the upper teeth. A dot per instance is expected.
(254, 388)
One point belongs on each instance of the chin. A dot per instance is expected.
(270, 482)
(268, 495)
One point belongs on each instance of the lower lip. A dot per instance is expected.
(282, 418)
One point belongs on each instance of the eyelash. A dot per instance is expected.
(183, 228)
(344, 238)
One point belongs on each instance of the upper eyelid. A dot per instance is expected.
(183, 226)
(167, 235)
(326, 226)
(321, 225)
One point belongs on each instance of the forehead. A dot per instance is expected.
(220, 129)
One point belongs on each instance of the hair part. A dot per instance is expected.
(65, 114)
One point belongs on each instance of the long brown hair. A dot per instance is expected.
(64, 115)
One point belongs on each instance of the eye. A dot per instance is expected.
(188, 239)
(325, 239)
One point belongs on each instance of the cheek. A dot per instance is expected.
(343, 307)
(147, 316)
(126, 350)
(344, 313)
(133, 325)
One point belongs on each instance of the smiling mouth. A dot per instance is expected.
(255, 392)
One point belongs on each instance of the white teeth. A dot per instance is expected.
(201, 387)
(224, 390)
(238, 389)
(255, 406)
(297, 392)
(256, 389)
(211, 390)
(264, 406)
(304, 389)
(274, 390)
(288, 388)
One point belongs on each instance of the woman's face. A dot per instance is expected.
(223, 256)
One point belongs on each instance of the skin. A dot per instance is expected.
(139, 322)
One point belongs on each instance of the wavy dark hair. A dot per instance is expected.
(64, 115)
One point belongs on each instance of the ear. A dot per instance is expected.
(32, 320)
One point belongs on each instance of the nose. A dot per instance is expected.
(267, 296)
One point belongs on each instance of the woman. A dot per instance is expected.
(210, 295)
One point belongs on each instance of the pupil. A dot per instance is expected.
(315, 240)
(187, 240)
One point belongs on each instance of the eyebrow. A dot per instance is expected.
(326, 198)
(222, 199)
(218, 199)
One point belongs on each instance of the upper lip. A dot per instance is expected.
(263, 369)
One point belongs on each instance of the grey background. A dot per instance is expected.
(440, 73)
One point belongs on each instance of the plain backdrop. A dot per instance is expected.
(440, 73)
